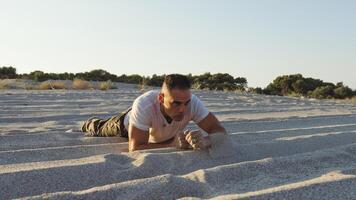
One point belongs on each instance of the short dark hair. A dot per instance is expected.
(178, 81)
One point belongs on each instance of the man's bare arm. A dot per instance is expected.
(138, 140)
(211, 124)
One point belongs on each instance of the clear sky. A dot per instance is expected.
(256, 39)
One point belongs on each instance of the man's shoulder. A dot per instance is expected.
(196, 103)
(148, 98)
(195, 99)
(152, 94)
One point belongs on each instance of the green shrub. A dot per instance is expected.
(8, 73)
(322, 92)
(343, 92)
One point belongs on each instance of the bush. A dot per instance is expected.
(154, 80)
(293, 94)
(300, 87)
(256, 90)
(322, 92)
(38, 76)
(272, 89)
(343, 92)
(297, 85)
(241, 81)
(8, 73)
(80, 84)
(134, 79)
(98, 75)
(107, 85)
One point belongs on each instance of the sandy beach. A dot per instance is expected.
(277, 148)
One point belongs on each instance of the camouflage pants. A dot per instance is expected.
(106, 127)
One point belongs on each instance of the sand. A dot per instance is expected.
(277, 148)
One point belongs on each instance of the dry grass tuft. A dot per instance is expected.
(107, 85)
(58, 85)
(52, 85)
(3, 86)
(80, 84)
(30, 87)
(353, 99)
(8, 84)
(45, 86)
(347, 100)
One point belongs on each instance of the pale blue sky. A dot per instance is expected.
(256, 39)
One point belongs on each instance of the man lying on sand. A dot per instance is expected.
(158, 119)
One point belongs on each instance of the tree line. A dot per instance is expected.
(219, 81)
(287, 85)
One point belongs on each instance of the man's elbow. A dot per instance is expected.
(131, 149)
(134, 146)
(223, 130)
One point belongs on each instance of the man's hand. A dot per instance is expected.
(197, 140)
(180, 142)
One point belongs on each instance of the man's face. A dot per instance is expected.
(175, 102)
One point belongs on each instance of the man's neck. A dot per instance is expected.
(168, 118)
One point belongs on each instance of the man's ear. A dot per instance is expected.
(161, 98)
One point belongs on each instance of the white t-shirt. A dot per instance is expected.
(146, 115)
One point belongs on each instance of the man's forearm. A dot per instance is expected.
(219, 129)
(150, 146)
(165, 144)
